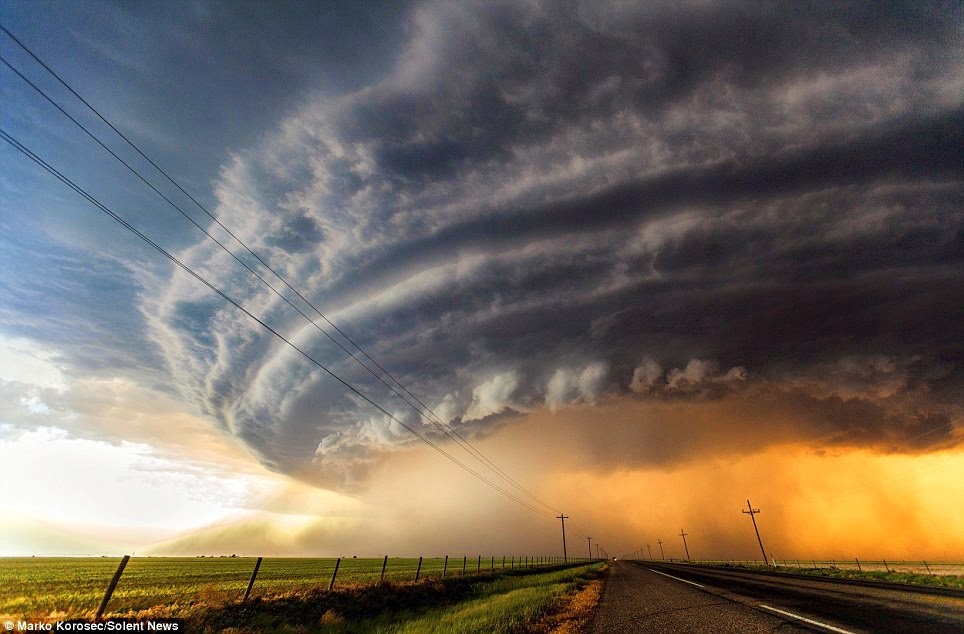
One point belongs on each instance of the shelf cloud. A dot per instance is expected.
(542, 205)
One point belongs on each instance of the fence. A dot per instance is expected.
(40, 586)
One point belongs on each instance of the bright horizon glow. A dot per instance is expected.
(190, 511)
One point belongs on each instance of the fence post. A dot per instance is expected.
(384, 564)
(492, 564)
(927, 568)
(254, 574)
(858, 565)
(445, 566)
(334, 574)
(465, 558)
(503, 562)
(885, 565)
(419, 569)
(478, 568)
(112, 585)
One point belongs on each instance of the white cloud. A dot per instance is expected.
(700, 374)
(24, 361)
(492, 396)
(569, 385)
(645, 376)
(448, 408)
(695, 372)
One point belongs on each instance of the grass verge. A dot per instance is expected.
(520, 601)
(936, 581)
(535, 603)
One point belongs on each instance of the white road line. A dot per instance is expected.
(692, 583)
(825, 626)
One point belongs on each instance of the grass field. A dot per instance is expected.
(516, 601)
(943, 580)
(45, 587)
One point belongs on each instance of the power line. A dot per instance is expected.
(438, 422)
(119, 219)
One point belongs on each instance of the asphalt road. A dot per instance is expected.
(652, 597)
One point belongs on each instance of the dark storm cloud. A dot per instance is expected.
(539, 205)
(901, 151)
(511, 73)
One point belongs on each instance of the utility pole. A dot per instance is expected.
(565, 558)
(650, 551)
(598, 556)
(661, 555)
(590, 546)
(683, 535)
(751, 513)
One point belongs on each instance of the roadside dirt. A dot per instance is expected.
(574, 616)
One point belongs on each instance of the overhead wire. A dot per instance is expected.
(422, 410)
(127, 225)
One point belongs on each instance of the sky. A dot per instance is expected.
(639, 264)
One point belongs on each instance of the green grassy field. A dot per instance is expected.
(45, 587)
(516, 601)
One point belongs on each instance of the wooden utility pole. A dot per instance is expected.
(565, 557)
(751, 513)
(650, 551)
(683, 535)
(590, 546)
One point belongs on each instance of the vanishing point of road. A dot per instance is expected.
(657, 597)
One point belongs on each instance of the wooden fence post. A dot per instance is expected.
(465, 558)
(384, 564)
(445, 566)
(927, 568)
(334, 574)
(858, 564)
(492, 564)
(419, 569)
(478, 568)
(254, 574)
(112, 585)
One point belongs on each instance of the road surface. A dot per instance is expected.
(651, 597)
